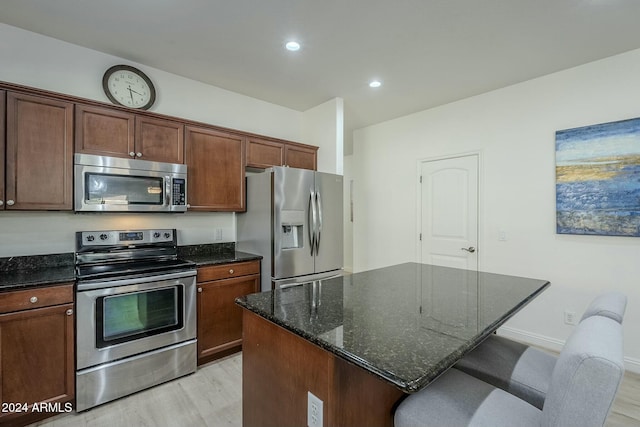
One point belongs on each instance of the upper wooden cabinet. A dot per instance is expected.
(301, 156)
(110, 132)
(39, 153)
(264, 153)
(215, 167)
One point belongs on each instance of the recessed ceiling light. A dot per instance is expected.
(292, 46)
(375, 83)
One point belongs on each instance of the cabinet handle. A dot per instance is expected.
(10, 202)
(132, 154)
(139, 154)
(231, 271)
(1, 203)
(33, 300)
(69, 312)
(200, 290)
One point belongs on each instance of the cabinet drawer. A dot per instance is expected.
(35, 298)
(226, 271)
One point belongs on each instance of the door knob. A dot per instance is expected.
(132, 154)
(470, 249)
(138, 154)
(10, 202)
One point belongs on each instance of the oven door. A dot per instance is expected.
(126, 317)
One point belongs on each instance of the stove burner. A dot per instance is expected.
(119, 269)
(109, 254)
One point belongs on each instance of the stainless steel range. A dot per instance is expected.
(136, 313)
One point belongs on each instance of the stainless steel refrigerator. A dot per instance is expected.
(294, 220)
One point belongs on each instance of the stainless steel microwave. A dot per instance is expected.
(113, 184)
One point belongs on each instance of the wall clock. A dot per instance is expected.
(128, 86)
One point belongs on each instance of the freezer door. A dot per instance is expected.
(293, 216)
(329, 235)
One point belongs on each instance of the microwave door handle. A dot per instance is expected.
(168, 190)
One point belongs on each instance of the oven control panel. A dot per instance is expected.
(126, 237)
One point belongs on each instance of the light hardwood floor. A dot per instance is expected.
(213, 397)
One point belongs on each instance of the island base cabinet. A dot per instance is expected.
(36, 364)
(279, 369)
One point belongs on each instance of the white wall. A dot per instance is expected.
(323, 126)
(514, 130)
(42, 62)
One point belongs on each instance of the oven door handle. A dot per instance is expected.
(88, 285)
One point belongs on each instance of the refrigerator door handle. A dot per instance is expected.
(319, 229)
(311, 221)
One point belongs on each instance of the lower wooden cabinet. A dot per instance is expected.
(37, 371)
(219, 318)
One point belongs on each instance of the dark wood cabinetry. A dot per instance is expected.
(160, 140)
(40, 130)
(39, 153)
(219, 318)
(299, 156)
(3, 100)
(37, 357)
(110, 132)
(215, 166)
(264, 153)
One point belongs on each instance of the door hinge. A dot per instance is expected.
(420, 179)
(420, 237)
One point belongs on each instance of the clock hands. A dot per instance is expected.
(131, 92)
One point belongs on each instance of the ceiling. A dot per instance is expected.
(425, 52)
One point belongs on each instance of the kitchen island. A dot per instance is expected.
(361, 342)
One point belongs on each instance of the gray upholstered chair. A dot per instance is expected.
(583, 386)
(526, 371)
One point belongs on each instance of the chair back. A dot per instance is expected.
(610, 304)
(587, 375)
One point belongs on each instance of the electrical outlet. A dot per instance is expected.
(314, 411)
(218, 234)
(570, 317)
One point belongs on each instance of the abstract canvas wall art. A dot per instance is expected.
(598, 179)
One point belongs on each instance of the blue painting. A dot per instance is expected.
(598, 179)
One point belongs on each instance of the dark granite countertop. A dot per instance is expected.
(406, 324)
(21, 272)
(212, 254)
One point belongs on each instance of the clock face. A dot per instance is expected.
(128, 86)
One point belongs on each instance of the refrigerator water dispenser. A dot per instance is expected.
(291, 233)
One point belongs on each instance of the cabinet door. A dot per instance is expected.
(159, 140)
(219, 317)
(215, 167)
(262, 153)
(39, 156)
(37, 359)
(297, 156)
(2, 146)
(104, 131)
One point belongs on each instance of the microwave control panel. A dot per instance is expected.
(179, 191)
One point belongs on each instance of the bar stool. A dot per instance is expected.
(585, 381)
(525, 371)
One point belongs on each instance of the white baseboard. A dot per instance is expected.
(630, 363)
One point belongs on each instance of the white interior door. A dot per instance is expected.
(449, 212)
